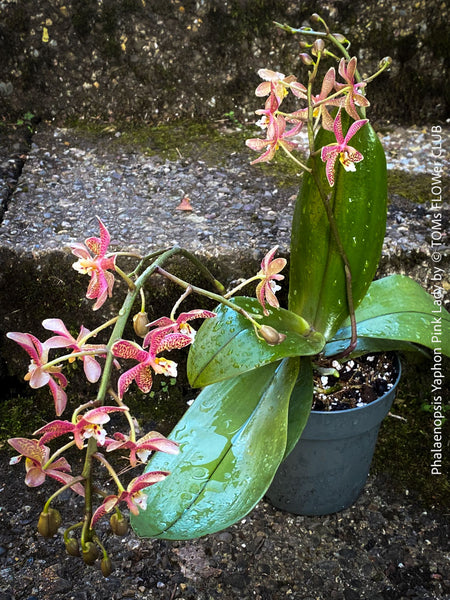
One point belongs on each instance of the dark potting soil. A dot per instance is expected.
(340, 385)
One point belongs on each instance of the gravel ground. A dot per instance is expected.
(385, 547)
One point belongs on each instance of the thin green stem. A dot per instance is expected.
(110, 469)
(211, 295)
(86, 532)
(126, 413)
(58, 453)
(94, 332)
(292, 157)
(130, 283)
(183, 296)
(60, 490)
(73, 355)
(243, 284)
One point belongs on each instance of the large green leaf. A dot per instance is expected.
(317, 286)
(300, 403)
(232, 440)
(227, 345)
(397, 308)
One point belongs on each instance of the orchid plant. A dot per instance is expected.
(253, 358)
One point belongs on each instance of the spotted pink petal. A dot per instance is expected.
(197, 313)
(30, 448)
(127, 349)
(100, 415)
(146, 480)
(144, 378)
(161, 444)
(107, 506)
(354, 127)
(65, 478)
(173, 341)
(129, 376)
(53, 430)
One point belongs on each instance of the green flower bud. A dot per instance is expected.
(140, 322)
(385, 62)
(119, 524)
(90, 553)
(106, 566)
(49, 523)
(72, 547)
(271, 335)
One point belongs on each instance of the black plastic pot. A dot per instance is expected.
(328, 468)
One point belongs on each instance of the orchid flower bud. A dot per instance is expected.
(140, 322)
(385, 62)
(90, 553)
(119, 524)
(339, 37)
(306, 59)
(72, 547)
(318, 47)
(49, 522)
(271, 335)
(106, 566)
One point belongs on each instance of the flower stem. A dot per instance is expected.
(210, 295)
(60, 490)
(110, 469)
(86, 532)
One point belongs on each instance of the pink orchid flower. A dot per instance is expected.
(141, 449)
(353, 97)
(97, 266)
(36, 459)
(347, 155)
(133, 495)
(180, 325)
(38, 375)
(157, 340)
(279, 84)
(64, 339)
(87, 425)
(269, 273)
(276, 138)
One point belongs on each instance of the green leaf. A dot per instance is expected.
(232, 440)
(317, 287)
(366, 345)
(227, 345)
(300, 404)
(397, 308)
